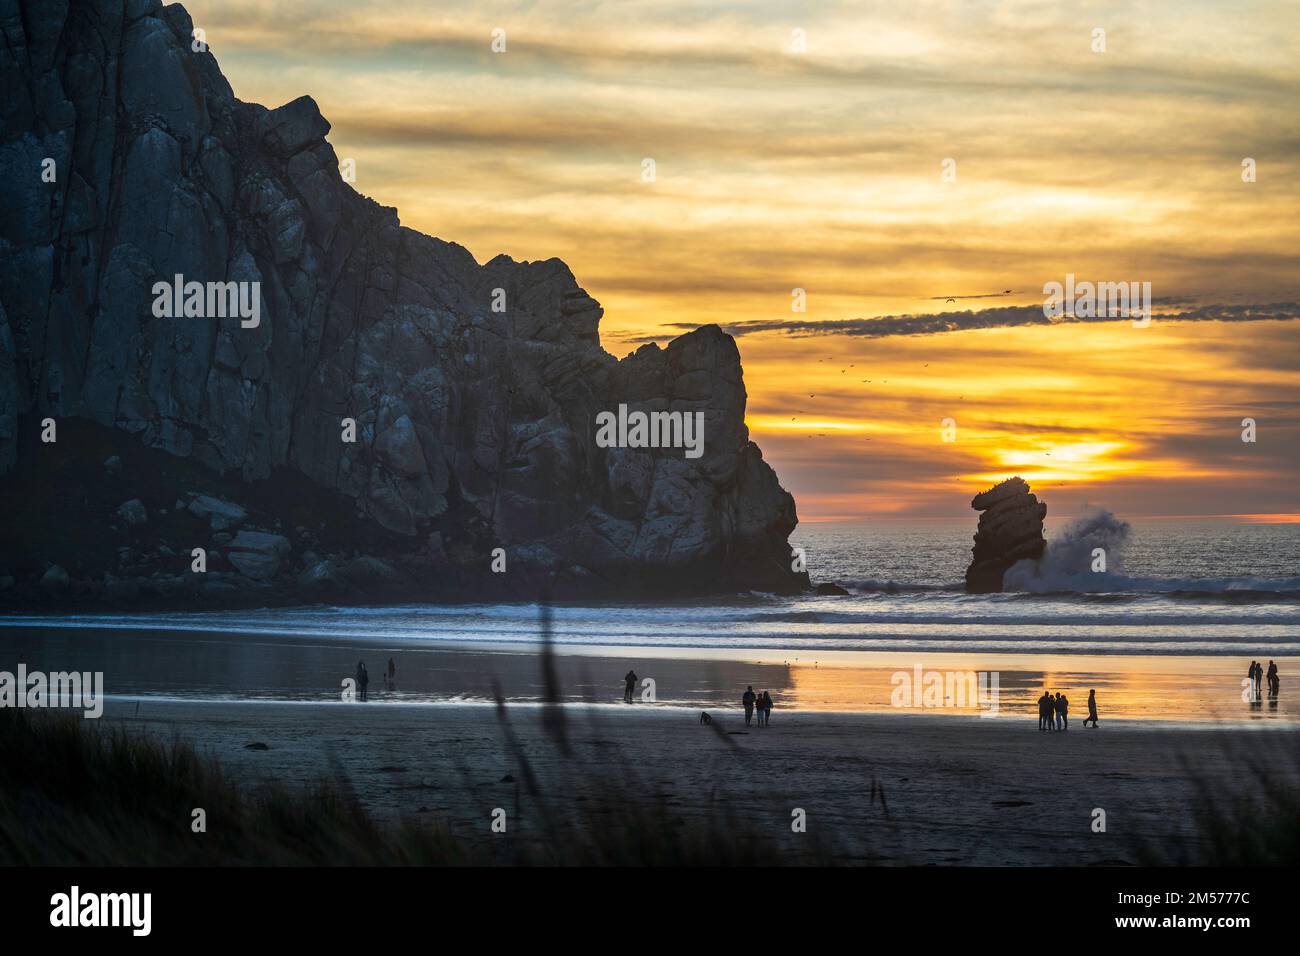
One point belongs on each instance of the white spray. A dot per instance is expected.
(1071, 556)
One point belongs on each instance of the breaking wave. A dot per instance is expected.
(1087, 556)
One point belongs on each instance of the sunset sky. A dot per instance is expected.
(777, 169)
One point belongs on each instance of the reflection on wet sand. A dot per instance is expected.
(1147, 688)
(259, 667)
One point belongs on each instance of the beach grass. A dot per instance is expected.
(78, 794)
(82, 793)
(1254, 820)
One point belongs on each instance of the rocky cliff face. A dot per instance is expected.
(1010, 529)
(126, 160)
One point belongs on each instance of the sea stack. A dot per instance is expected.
(1010, 530)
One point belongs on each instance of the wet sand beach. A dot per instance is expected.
(877, 788)
(876, 782)
(244, 666)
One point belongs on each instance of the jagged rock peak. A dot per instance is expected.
(999, 492)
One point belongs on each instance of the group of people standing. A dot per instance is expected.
(1054, 712)
(1256, 676)
(752, 702)
(757, 702)
(363, 679)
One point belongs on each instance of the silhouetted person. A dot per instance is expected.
(1092, 710)
(748, 701)
(1050, 704)
(1042, 712)
(1273, 681)
(1062, 711)
(392, 674)
(363, 679)
(1253, 676)
(629, 686)
(767, 709)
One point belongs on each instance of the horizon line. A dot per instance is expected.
(1257, 518)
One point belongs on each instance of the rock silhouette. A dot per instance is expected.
(1010, 529)
(473, 388)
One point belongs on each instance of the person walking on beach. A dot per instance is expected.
(1042, 712)
(1252, 675)
(1092, 710)
(1273, 682)
(767, 709)
(629, 686)
(748, 701)
(1062, 711)
(363, 679)
(392, 674)
(1050, 703)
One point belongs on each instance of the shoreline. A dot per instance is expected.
(666, 711)
(241, 666)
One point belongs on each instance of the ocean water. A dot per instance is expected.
(1170, 588)
(1154, 555)
(1165, 633)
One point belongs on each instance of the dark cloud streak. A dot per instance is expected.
(1008, 317)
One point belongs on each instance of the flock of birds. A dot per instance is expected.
(844, 371)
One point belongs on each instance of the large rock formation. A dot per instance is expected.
(1010, 529)
(126, 160)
